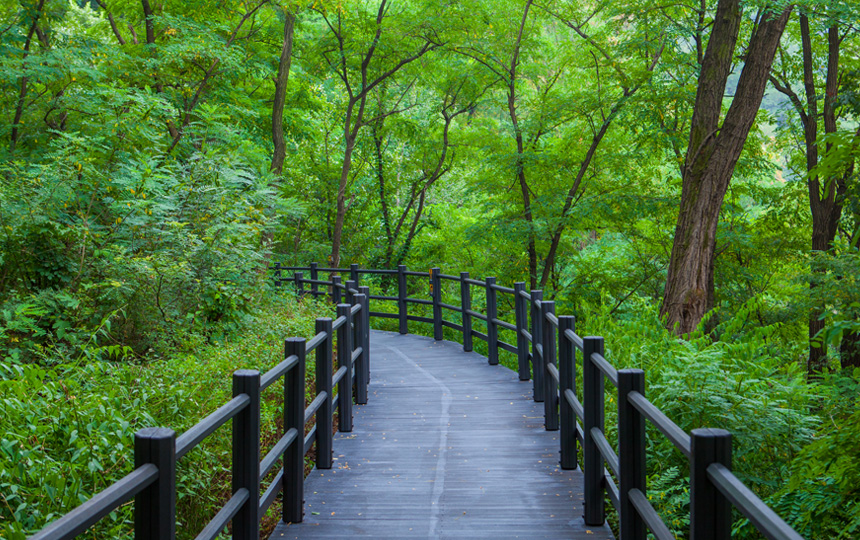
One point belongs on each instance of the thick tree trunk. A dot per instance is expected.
(712, 153)
(278, 140)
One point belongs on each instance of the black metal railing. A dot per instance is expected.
(152, 484)
(546, 348)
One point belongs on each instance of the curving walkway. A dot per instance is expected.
(447, 447)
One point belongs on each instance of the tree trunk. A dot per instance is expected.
(340, 215)
(824, 201)
(712, 153)
(280, 151)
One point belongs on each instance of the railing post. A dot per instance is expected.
(300, 286)
(537, 337)
(436, 294)
(354, 275)
(155, 506)
(466, 305)
(335, 290)
(492, 327)
(550, 388)
(277, 275)
(521, 316)
(351, 285)
(315, 275)
(344, 359)
(710, 511)
(322, 382)
(567, 381)
(294, 418)
(246, 455)
(592, 398)
(401, 299)
(631, 453)
(358, 369)
(365, 338)
(358, 341)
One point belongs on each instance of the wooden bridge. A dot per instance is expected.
(434, 440)
(446, 447)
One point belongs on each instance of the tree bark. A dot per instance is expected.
(280, 151)
(25, 79)
(712, 154)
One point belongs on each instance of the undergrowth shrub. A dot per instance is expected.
(66, 429)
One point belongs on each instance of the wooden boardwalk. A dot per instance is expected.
(447, 447)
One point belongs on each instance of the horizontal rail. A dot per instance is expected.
(384, 315)
(611, 491)
(87, 514)
(553, 372)
(649, 515)
(605, 367)
(417, 274)
(224, 516)
(477, 282)
(526, 295)
(458, 309)
(376, 271)
(337, 323)
(338, 375)
(453, 326)
(310, 438)
(508, 347)
(419, 301)
(480, 335)
(499, 288)
(278, 371)
(272, 492)
(552, 319)
(609, 455)
(277, 451)
(575, 405)
(418, 318)
(526, 334)
(573, 338)
(670, 429)
(386, 298)
(355, 354)
(765, 520)
(447, 276)
(476, 314)
(313, 282)
(207, 426)
(315, 405)
(504, 324)
(316, 341)
(355, 309)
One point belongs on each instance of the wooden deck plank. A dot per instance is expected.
(447, 447)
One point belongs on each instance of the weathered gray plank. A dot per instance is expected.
(447, 447)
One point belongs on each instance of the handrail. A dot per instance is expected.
(714, 488)
(207, 426)
(159, 449)
(86, 515)
(577, 422)
(669, 429)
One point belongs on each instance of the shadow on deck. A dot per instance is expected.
(447, 447)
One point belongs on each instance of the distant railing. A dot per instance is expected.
(551, 364)
(152, 484)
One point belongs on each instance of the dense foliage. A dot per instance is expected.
(141, 199)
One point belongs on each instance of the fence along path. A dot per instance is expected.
(548, 351)
(447, 447)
